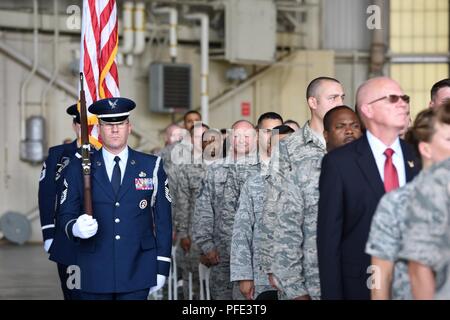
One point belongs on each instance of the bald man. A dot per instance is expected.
(217, 203)
(352, 181)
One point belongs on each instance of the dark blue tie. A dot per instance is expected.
(116, 176)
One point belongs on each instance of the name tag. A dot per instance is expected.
(143, 183)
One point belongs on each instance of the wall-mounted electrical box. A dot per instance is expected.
(250, 31)
(170, 87)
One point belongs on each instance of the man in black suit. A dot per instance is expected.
(352, 181)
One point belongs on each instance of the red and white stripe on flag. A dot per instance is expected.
(99, 45)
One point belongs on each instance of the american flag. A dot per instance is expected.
(99, 45)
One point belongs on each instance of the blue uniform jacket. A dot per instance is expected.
(133, 242)
(50, 186)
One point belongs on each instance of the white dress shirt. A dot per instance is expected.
(108, 157)
(378, 148)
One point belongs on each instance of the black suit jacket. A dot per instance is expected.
(350, 189)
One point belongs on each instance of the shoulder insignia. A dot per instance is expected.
(64, 193)
(167, 191)
(43, 171)
(64, 163)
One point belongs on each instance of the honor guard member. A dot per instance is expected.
(124, 248)
(62, 251)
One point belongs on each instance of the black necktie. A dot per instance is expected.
(116, 176)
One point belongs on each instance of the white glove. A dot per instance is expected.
(85, 227)
(160, 280)
(47, 244)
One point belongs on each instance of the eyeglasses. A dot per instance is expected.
(392, 98)
(110, 126)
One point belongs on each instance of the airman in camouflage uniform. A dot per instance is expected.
(427, 236)
(385, 237)
(322, 94)
(190, 179)
(245, 246)
(215, 209)
(294, 265)
(274, 179)
(174, 156)
(217, 204)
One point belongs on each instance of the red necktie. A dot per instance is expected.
(390, 173)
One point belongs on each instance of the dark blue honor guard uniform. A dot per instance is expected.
(62, 251)
(132, 245)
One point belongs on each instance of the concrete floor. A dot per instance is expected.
(27, 274)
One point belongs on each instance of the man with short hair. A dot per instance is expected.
(61, 250)
(124, 248)
(189, 179)
(175, 153)
(190, 118)
(295, 254)
(440, 92)
(217, 203)
(352, 181)
(266, 122)
(173, 134)
(245, 242)
(341, 126)
(292, 124)
(322, 94)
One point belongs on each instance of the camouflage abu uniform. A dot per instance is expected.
(280, 163)
(295, 264)
(190, 179)
(245, 261)
(174, 156)
(427, 236)
(214, 213)
(385, 237)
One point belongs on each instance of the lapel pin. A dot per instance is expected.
(99, 163)
(132, 162)
(142, 174)
(411, 164)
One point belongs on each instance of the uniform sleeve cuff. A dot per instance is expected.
(68, 229)
(241, 276)
(163, 265)
(48, 232)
